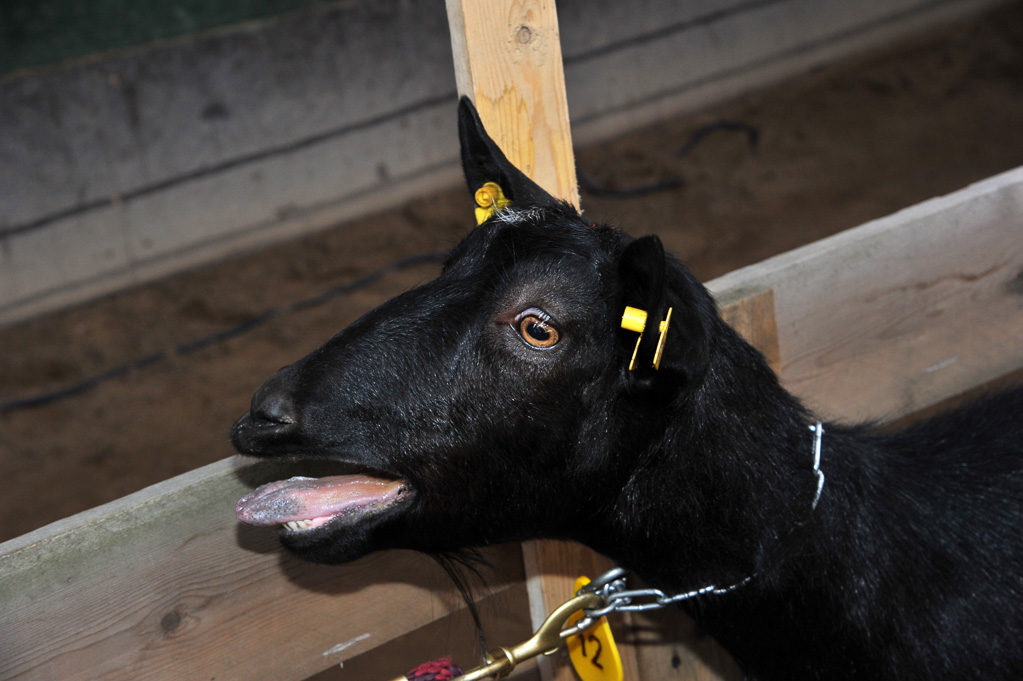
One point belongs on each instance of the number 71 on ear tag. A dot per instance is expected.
(593, 652)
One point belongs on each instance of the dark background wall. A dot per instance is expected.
(123, 165)
(34, 33)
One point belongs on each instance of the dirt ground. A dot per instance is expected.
(846, 144)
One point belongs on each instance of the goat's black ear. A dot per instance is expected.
(644, 277)
(483, 161)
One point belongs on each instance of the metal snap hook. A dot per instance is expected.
(548, 638)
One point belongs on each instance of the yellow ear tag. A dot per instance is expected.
(634, 319)
(489, 199)
(660, 341)
(593, 653)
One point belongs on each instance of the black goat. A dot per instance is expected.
(496, 404)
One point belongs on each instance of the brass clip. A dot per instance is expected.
(549, 637)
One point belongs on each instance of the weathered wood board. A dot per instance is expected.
(505, 617)
(508, 61)
(507, 57)
(165, 584)
(895, 315)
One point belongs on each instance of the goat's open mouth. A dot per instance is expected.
(302, 504)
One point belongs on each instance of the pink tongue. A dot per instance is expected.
(311, 498)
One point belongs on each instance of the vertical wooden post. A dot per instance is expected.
(751, 313)
(507, 57)
(508, 62)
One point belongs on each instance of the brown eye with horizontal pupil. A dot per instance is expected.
(537, 331)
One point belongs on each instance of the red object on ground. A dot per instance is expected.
(438, 670)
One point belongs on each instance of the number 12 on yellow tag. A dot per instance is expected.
(593, 652)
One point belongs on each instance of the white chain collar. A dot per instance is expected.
(818, 435)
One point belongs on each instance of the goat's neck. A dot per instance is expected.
(815, 571)
(730, 478)
(728, 498)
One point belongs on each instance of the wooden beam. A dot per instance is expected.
(508, 61)
(165, 584)
(751, 313)
(891, 317)
(506, 622)
(507, 57)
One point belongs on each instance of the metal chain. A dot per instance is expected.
(602, 596)
(617, 598)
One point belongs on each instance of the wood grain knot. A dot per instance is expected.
(524, 34)
(170, 622)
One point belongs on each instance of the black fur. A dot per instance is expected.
(910, 566)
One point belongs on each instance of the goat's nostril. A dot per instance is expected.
(273, 407)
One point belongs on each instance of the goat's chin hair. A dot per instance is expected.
(465, 568)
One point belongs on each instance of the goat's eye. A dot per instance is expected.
(536, 330)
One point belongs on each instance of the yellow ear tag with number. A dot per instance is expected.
(593, 653)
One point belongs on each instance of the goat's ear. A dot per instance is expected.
(483, 161)
(643, 271)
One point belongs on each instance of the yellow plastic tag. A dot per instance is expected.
(593, 653)
(489, 199)
(634, 319)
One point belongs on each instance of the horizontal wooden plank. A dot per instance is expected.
(165, 584)
(898, 314)
(506, 623)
